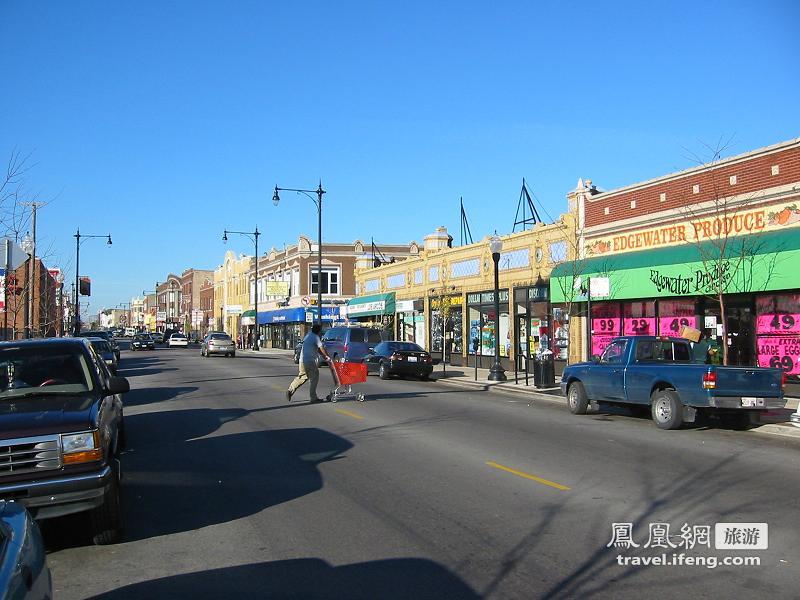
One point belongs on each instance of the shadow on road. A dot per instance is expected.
(391, 579)
(151, 395)
(175, 479)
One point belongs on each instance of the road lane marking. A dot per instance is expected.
(553, 484)
(349, 414)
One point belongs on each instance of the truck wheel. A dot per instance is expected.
(577, 402)
(667, 409)
(106, 519)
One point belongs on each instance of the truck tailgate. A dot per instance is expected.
(748, 381)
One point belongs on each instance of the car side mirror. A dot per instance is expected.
(118, 385)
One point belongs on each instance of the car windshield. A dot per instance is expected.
(141, 338)
(178, 336)
(42, 370)
(220, 336)
(101, 346)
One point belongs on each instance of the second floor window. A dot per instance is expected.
(330, 281)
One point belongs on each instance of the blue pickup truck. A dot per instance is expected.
(660, 372)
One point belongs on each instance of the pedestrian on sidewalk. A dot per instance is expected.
(309, 371)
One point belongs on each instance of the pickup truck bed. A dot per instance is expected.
(661, 373)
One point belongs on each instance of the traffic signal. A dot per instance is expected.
(85, 286)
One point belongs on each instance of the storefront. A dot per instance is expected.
(658, 292)
(410, 321)
(532, 323)
(446, 328)
(285, 327)
(481, 323)
(376, 310)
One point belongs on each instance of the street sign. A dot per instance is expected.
(16, 255)
(305, 301)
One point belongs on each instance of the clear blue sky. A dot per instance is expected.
(165, 122)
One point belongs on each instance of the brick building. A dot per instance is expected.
(714, 247)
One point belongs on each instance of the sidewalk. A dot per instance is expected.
(774, 422)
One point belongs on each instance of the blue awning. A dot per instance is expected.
(296, 315)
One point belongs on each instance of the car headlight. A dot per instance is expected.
(81, 447)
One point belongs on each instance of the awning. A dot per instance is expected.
(297, 315)
(754, 263)
(248, 313)
(376, 304)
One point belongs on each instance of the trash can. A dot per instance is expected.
(544, 370)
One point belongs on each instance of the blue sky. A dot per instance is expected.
(165, 123)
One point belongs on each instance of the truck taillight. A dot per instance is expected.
(396, 356)
(709, 380)
(784, 380)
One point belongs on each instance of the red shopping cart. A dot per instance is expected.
(345, 374)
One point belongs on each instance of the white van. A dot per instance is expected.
(130, 331)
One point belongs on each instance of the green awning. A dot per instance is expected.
(754, 263)
(376, 304)
(249, 313)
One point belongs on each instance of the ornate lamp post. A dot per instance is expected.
(318, 201)
(252, 236)
(78, 236)
(496, 372)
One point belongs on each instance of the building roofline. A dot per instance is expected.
(780, 146)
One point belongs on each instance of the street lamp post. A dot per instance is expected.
(78, 236)
(496, 373)
(318, 201)
(60, 282)
(254, 237)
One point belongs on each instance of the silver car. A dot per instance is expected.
(217, 343)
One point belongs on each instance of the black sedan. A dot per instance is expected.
(399, 358)
(143, 341)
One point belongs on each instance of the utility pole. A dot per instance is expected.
(32, 271)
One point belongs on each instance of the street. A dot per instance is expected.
(422, 491)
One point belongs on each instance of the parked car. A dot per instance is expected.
(24, 573)
(62, 440)
(217, 343)
(166, 334)
(105, 352)
(106, 335)
(351, 344)
(143, 341)
(177, 340)
(158, 337)
(660, 372)
(399, 358)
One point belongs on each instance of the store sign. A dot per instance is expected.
(486, 297)
(234, 309)
(539, 293)
(753, 273)
(436, 303)
(161, 315)
(376, 306)
(402, 306)
(713, 227)
(277, 288)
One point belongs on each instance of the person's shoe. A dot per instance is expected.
(288, 395)
(315, 400)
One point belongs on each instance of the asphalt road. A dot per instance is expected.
(422, 491)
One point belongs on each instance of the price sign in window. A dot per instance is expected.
(674, 315)
(605, 325)
(778, 332)
(639, 318)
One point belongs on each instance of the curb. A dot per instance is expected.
(783, 430)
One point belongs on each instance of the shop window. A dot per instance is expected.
(639, 318)
(778, 332)
(605, 325)
(560, 333)
(674, 315)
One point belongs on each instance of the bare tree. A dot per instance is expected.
(728, 251)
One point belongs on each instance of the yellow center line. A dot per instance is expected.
(349, 414)
(558, 486)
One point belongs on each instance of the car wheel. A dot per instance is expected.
(577, 402)
(667, 409)
(106, 519)
(383, 371)
(233, 354)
